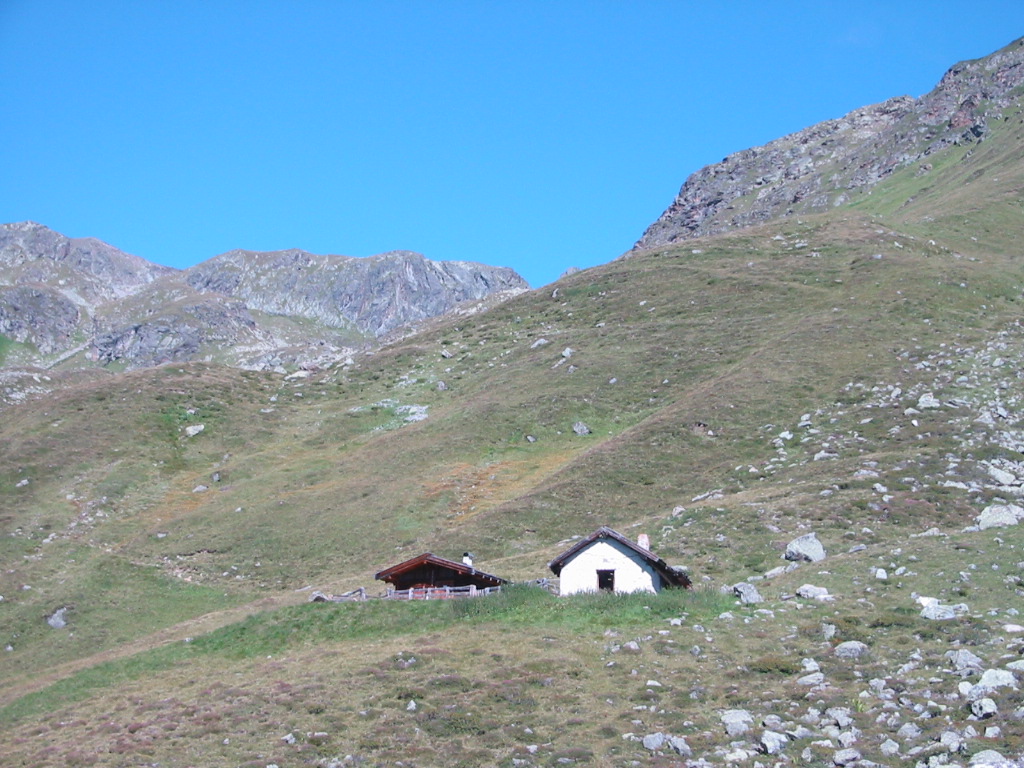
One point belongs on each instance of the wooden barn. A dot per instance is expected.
(429, 577)
(606, 561)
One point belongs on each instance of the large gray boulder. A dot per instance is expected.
(1000, 516)
(737, 721)
(851, 650)
(747, 593)
(806, 548)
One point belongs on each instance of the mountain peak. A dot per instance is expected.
(817, 168)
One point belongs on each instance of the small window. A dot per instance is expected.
(606, 581)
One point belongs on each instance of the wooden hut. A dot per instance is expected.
(429, 577)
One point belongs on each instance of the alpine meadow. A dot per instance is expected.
(820, 338)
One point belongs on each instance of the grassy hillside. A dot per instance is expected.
(739, 391)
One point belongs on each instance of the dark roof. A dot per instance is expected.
(673, 576)
(389, 574)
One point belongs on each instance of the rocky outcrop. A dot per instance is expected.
(374, 295)
(178, 333)
(38, 315)
(87, 271)
(61, 296)
(816, 168)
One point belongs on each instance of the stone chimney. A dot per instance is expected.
(644, 541)
(467, 558)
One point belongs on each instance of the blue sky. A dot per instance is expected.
(536, 135)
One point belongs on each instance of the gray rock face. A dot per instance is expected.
(38, 315)
(62, 296)
(374, 295)
(816, 168)
(85, 269)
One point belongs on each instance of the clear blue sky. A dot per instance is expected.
(538, 135)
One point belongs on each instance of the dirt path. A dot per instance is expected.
(200, 625)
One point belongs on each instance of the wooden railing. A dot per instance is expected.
(417, 593)
(439, 593)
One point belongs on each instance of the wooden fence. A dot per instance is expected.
(418, 593)
(439, 593)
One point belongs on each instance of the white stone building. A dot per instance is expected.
(606, 561)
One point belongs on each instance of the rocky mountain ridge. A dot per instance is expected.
(824, 165)
(376, 295)
(81, 301)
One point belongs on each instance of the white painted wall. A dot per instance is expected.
(632, 572)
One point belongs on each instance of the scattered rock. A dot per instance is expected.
(194, 430)
(57, 619)
(580, 428)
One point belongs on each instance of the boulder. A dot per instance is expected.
(1000, 516)
(964, 662)
(678, 745)
(737, 721)
(806, 548)
(846, 756)
(984, 708)
(937, 612)
(811, 592)
(815, 678)
(772, 742)
(57, 620)
(654, 741)
(747, 593)
(851, 649)
(989, 757)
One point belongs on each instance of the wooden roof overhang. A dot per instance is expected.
(429, 570)
(675, 577)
